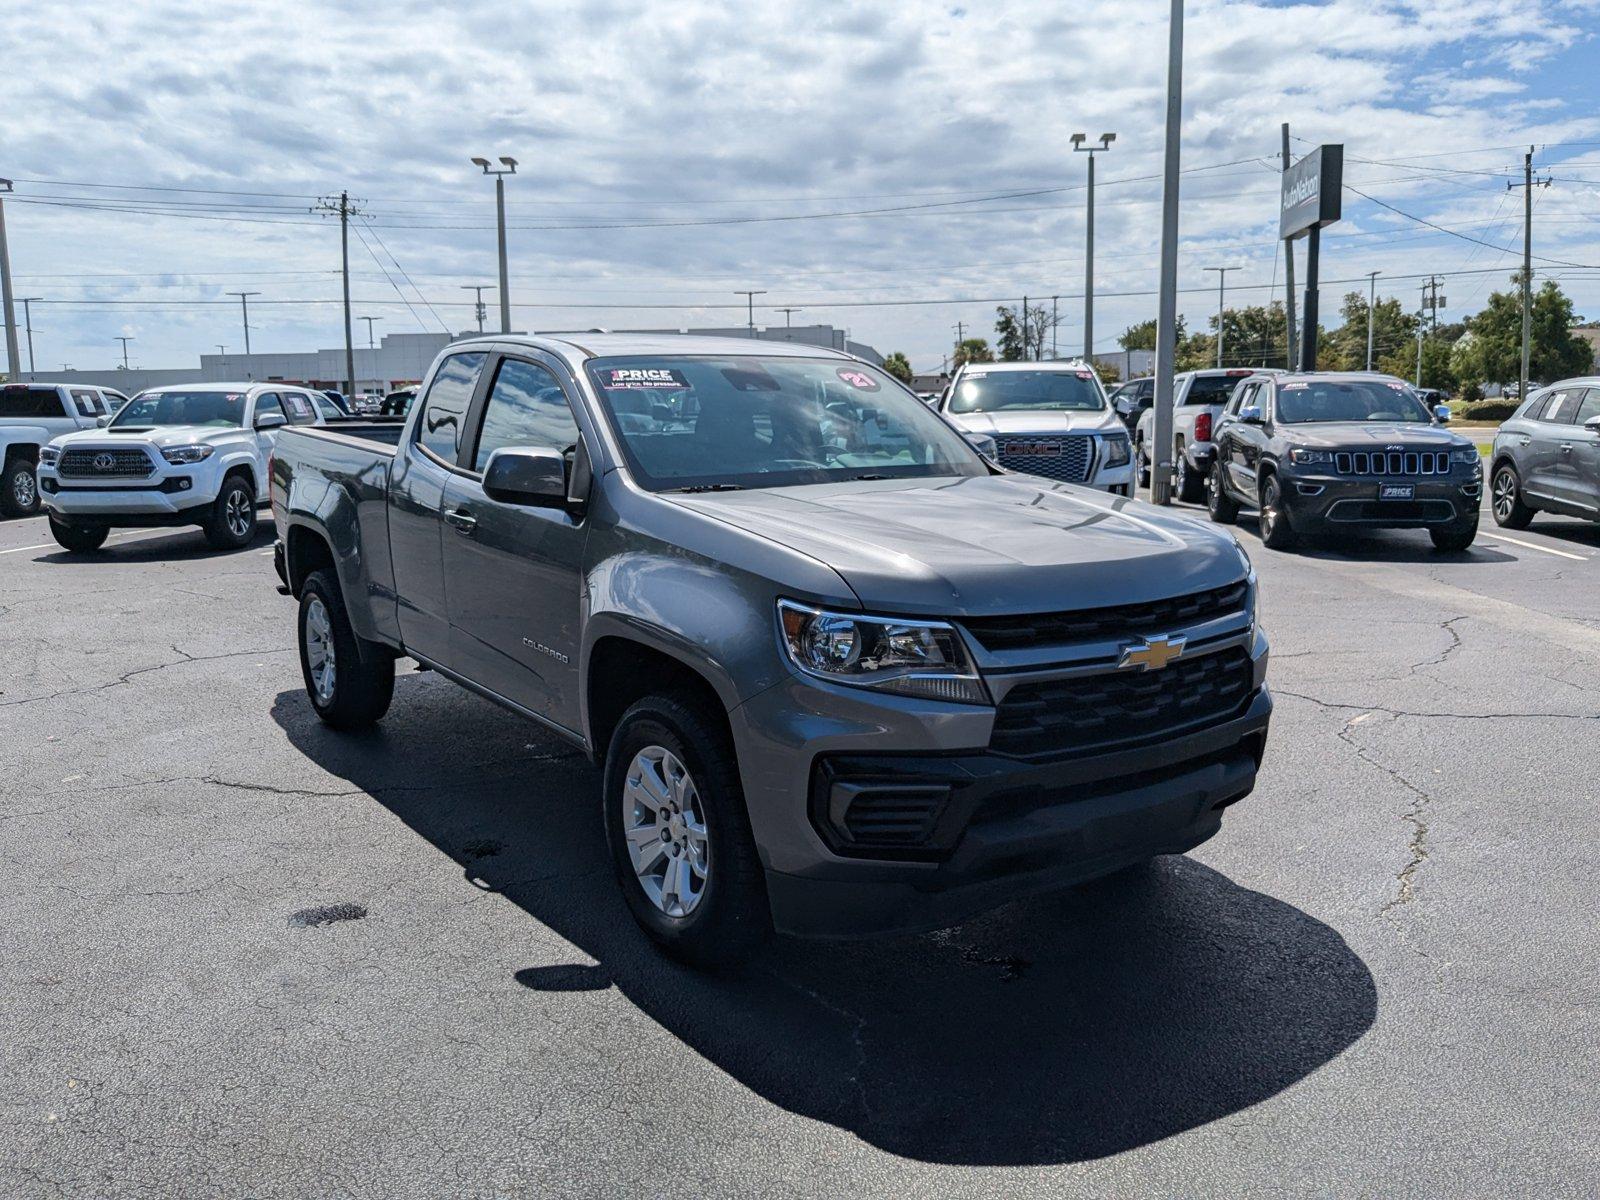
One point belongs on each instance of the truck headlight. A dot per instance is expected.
(180, 455)
(49, 456)
(1311, 456)
(914, 658)
(1117, 452)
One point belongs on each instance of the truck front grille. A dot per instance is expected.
(105, 464)
(1092, 712)
(1066, 459)
(1096, 624)
(1392, 462)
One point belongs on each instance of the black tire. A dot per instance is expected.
(1455, 538)
(1276, 532)
(1141, 464)
(231, 523)
(80, 539)
(1224, 509)
(1508, 508)
(357, 691)
(729, 917)
(19, 490)
(1191, 484)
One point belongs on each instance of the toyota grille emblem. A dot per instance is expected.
(104, 462)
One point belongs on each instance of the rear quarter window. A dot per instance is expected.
(36, 402)
(444, 409)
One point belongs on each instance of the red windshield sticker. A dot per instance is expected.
(1399, 387)
(637, 378)
(1085, 374)
(859, 380)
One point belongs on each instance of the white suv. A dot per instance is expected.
(1046, 418)
(192, 454)
(30, 415)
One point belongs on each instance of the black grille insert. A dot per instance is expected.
(1392, 462)
(1066, 459)
(1093, 624)
(105, 464)
(1099, 711)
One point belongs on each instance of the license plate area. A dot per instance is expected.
(1397, 491)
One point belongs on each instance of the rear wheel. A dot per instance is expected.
(231, 523)
(1455, 537)
(1188, 482)
(1276, 533)
(19, 490)
(1224, 509)
(1506, 498)
(350, 680)
(80, 539)
(1140, 462)
(679, 833)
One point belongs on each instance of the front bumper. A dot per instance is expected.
(177, 496)
(1320, 501)
(1001, 828)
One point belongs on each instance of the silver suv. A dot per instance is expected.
(1546, 458)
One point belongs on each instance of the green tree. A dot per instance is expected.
(898, 365)
(1009, 335)
(1142, 335)
(1394, 333)
(972, 350)
(1491, 349)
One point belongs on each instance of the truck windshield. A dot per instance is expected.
(709, 423)
(1302, 402)
(181, 408)
(998, 391)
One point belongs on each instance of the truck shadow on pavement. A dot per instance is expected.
(1054, 1031)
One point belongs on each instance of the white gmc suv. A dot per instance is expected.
(192, 454)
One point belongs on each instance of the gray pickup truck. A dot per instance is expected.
(843, 674)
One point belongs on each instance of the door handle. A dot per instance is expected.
(462, 520)
(1566, 447)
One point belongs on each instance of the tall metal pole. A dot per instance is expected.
(1288, 275)
(478, 289)
(1222, 279)
(27, 321)
(1088, 272)
(1027, 342)
(750, 306)
(244, 308)
(13, 356)
(505, 270)
(1167, 308)
(125, 341)
(787, 324)
(1372, 301)
(1055, 322)
(369, 321)
(1527, 271)
(1422, 324)
(1308, 335)
(349, 338)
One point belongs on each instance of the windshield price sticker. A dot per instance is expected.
(644, 378)
(1295, 387)
(859, 380)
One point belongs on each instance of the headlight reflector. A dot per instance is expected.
(1466, 454)
(48, 455)
(180, 455)
(1116, 451)
(1311, 456)
(914, 658)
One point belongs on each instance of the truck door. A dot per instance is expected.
(423, 465)
(514, 574)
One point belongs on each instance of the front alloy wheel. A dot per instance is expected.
(1506, 500)
(663, 822)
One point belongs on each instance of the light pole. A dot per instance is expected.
(1372, 303)
(478, 289)
(750, 301)
(786, 312)
(1078, 146)
(13, 356)
(125, 341)
(27, 321)
(244, 307)
(1167, 305)
(1222, 280)
(508, 167)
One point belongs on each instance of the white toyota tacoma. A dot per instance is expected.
(194, 454)
(1046, 418)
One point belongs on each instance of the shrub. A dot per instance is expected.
(1494, 409)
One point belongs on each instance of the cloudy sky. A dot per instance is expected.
(893, 167)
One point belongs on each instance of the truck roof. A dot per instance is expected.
(577, 347)
(1053, 364)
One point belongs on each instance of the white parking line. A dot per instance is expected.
(55, 546)
(1500, 537)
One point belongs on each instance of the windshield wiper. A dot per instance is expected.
(709, 487)
(867, 478)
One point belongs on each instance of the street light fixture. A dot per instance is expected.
(13, 358)
(508, 167)
(1222, 279)
(1078, 147)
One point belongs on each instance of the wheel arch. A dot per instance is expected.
(622, 666)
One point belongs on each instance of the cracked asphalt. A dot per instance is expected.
(243, 955)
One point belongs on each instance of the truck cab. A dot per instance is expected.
(31, 415)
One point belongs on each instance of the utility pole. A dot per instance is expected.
(244, 307)
(1372, 300)
(508, 167)
(1422, 324)
(1027, 342)
(1078, 147)
(478, 308)
(786, 314)
(125, 341)
(369, 321)
(750, 302)
(1167, 307)
(1055, 322)
(372, 357)
(221, 349)
(13, 356)
(1528, 184)
(1222, 279)
(27, 321)
(1288, 268)
(345, 208)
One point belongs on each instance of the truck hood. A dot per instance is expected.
(1368, 435)
(159, 436)
(1001, 424)
(985, 545)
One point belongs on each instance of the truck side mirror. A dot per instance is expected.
(1441, 413)
(1592, 424)
(531, 476)
(102, 422)
(271, 420)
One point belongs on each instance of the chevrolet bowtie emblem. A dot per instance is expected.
(1152, 653)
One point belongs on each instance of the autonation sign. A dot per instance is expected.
(1312, 189)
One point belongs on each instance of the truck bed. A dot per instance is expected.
(371, 433)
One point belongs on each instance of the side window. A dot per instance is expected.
(86, 401)
(268, 402)
(1147, 391)
(1561, 406)
(299, 406)
(1243, 395)
(328, 409)
(1590, 408)
(525, 408)
(19, 400)
(1532, 410)
(444, 410)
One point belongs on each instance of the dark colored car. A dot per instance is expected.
(1132, 398)
(1320, 453)
(397, 403)
(1546, 458)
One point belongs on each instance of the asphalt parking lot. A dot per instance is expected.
(241, 953)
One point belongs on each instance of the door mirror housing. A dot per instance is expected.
(271, 421)
(1592, 424)
(1441, 414)
(102, 422)
(534, 477)
(1250, 414)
